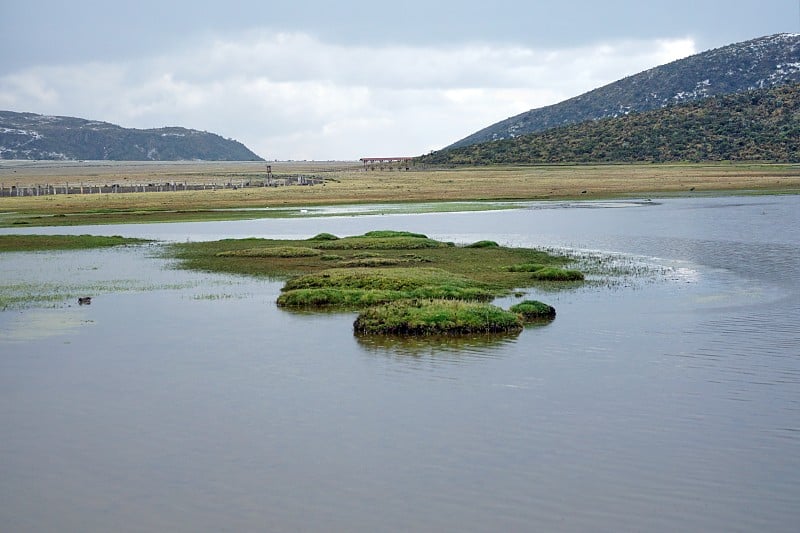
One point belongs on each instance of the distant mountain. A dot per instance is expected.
(756, 64)
(32, 136)
(758, 125)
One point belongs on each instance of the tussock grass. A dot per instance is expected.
(323, 237)
(385, 279)
(557, 274)
(393, 234)
(435, 317)
(533, 310)
(381, 243)
(277, 251)
(30, 243)
(358, 287)
(446, 299)
(372, 262)
(525, 267)
(483, 244)
(488, 266)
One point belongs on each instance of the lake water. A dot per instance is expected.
(181, 401)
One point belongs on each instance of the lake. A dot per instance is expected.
(668, 400)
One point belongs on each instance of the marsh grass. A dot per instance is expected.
(483, 244)
(526, 267)
(323, 237)
(487, 266)
(30, 295)
(372, 262)
(382, 274)
(381, 243)
(276, 251)
(32, 243)
(557, 274)
(435, 317)
(533, 310)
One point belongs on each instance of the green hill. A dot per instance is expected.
(760, 125)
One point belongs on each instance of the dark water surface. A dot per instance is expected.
(181, 401)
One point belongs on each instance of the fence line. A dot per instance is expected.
(81, 188)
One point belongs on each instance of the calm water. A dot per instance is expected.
(181, 401)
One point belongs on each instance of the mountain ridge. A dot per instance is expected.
(758, 63)
(49, 137)
(757, 125)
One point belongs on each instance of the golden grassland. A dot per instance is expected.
(347, 183)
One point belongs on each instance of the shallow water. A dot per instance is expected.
(185, 401)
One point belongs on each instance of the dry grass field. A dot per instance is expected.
(347, 182)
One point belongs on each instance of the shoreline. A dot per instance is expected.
(348, 184)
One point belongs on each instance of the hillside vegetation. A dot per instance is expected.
(756, 64)
(761, 125)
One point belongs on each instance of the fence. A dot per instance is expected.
(66, 188)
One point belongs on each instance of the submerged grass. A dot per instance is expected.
(32, 243)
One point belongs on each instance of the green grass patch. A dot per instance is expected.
(525, 267)
(31, 243)
(487, 266)
(277, 251)
(483, 244)
(533, 310)
(381, 243)
(435, 317)
(383, 271)
(372, 262)
(403, 278)
(324, 237)
(393, 234)
(557, 274)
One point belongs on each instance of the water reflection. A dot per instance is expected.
(441, 347)
(42, 323)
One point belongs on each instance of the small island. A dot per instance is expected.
(402, 283)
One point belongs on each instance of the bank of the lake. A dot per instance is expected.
(348, 184)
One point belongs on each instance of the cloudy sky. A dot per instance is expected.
(341, 80)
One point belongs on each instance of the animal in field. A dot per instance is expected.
(84, 300)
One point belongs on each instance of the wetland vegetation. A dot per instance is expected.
(31, 243)
(404, 283)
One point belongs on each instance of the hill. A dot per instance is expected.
(32, 136)
(756, 64)
(759, 125)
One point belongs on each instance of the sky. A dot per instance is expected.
(322, 80)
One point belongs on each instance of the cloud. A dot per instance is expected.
(292, 96)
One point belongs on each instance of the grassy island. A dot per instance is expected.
(404, 283)
(33, 243)
(435, 317)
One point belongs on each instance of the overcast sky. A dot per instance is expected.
(342, 80)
